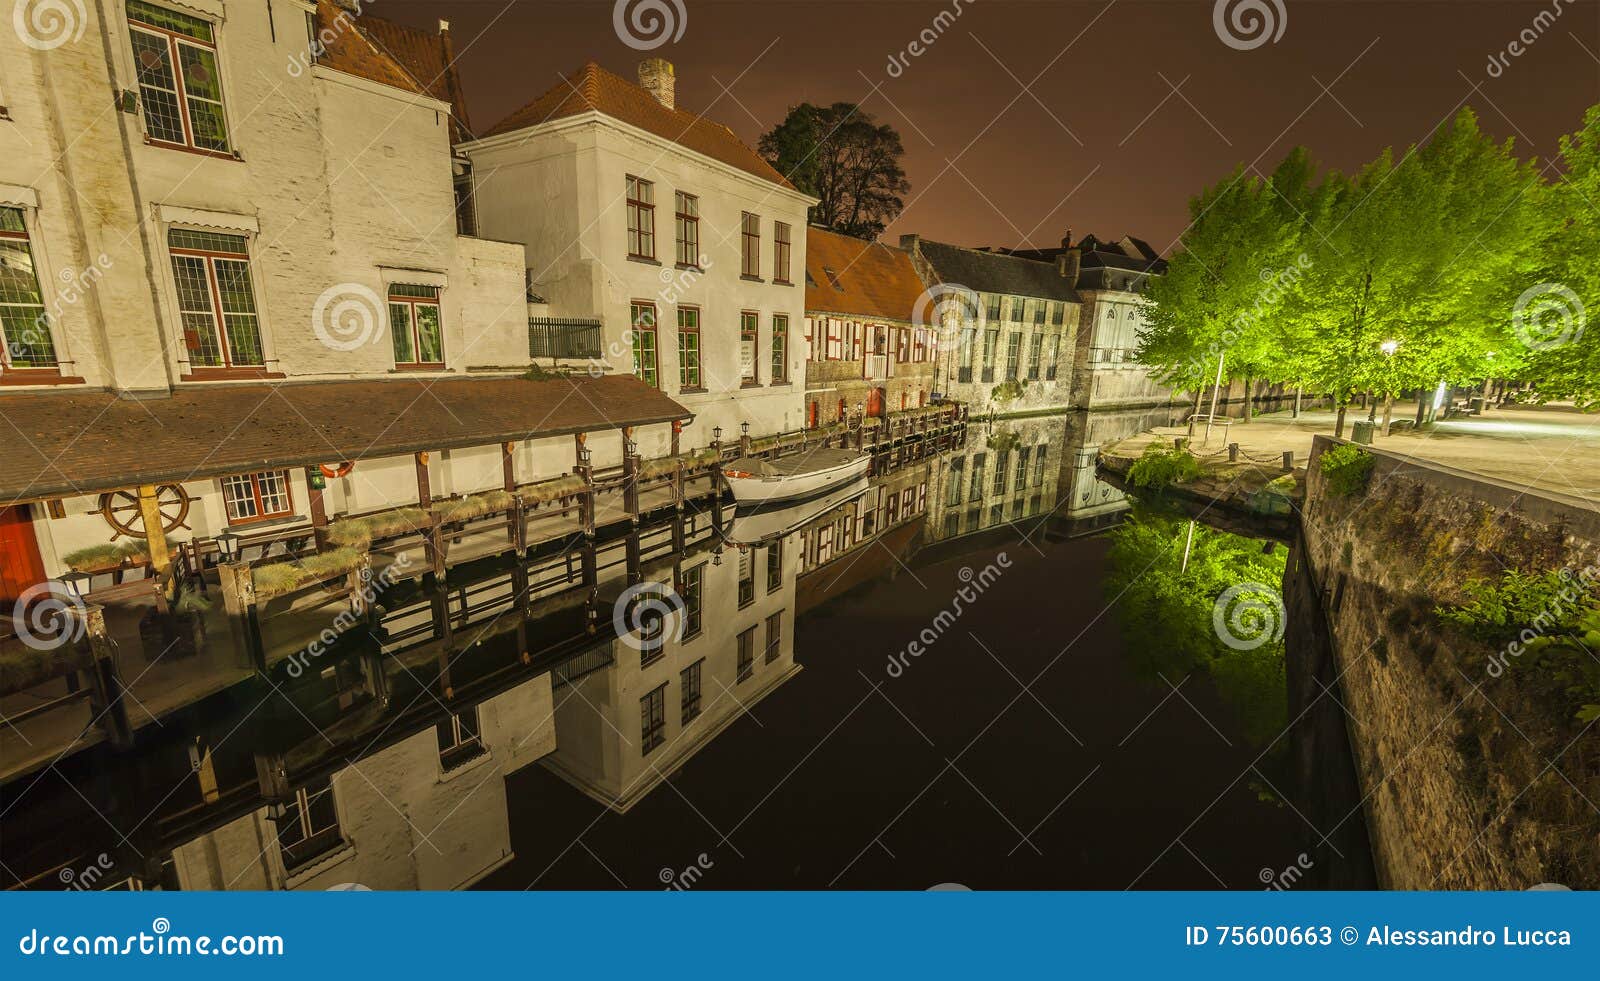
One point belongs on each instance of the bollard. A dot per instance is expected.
(1288, 460)
(1233, 452)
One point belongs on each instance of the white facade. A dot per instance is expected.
(604, 746)
(339, 189)
(561, 188)
(404, 820)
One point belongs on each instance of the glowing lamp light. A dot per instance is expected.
(228, 545)
(1389, 347)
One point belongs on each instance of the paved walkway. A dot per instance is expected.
(1549, 449)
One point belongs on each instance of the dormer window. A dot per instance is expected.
(180, 87)
(833, 278)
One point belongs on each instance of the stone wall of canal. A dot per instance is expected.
(1468, 778)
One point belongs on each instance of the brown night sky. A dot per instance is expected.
(1102, 144)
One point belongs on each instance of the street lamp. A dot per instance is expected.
(77, 583)
(716, 434)
(744, 428)
(228, 546)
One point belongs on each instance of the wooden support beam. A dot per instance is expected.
(508, 476)
(630, 474)
(319, 509)
(424, 490)
(107, 705)
(154, 531)
(239, 602)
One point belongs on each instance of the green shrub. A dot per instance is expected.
(1161, 467)
(1347, 468)
(1545, 622)
(285, 577)
(1008, 391)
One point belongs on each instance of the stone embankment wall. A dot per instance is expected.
(1470, 778)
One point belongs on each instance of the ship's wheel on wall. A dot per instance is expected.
(121, 510)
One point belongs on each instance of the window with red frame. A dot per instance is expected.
(641, 218)
(750, 244)
(780, 253)
(251, 497)
(180, 87)
(216, 300)
(418, 329)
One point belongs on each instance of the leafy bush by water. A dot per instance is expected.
(1347, 468)
(1547, 623)
(1161, 467)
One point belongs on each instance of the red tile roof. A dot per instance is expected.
(349, 50)
(59, 445)
(879, 280)
(593, 89)
(430, 60)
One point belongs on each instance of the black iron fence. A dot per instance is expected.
(558, 337)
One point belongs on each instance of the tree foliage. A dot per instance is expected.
(1403, 274)
(844, 158)
(1168, 611)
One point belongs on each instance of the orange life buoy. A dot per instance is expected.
(337, 470)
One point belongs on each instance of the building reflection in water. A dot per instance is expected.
(383, 763)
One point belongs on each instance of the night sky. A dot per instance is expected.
(1100, 142)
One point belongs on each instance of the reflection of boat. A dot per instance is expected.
(799, 475)
(752, 525)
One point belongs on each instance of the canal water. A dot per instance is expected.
(1020, 751)
(967, 672)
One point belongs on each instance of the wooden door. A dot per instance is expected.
(875, 402)
(20, 564)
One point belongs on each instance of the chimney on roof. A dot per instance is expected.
(909, 242)
(657, 77)
(1066, 240)
(1069, 263)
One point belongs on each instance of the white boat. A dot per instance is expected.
(798, 475)
(755, 524)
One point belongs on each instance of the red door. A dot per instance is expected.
(20, 565)
(875, 402)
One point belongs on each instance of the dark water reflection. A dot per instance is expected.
(790, 738)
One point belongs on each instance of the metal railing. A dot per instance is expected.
(555, 337)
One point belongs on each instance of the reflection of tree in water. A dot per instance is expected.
(1166, 609)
